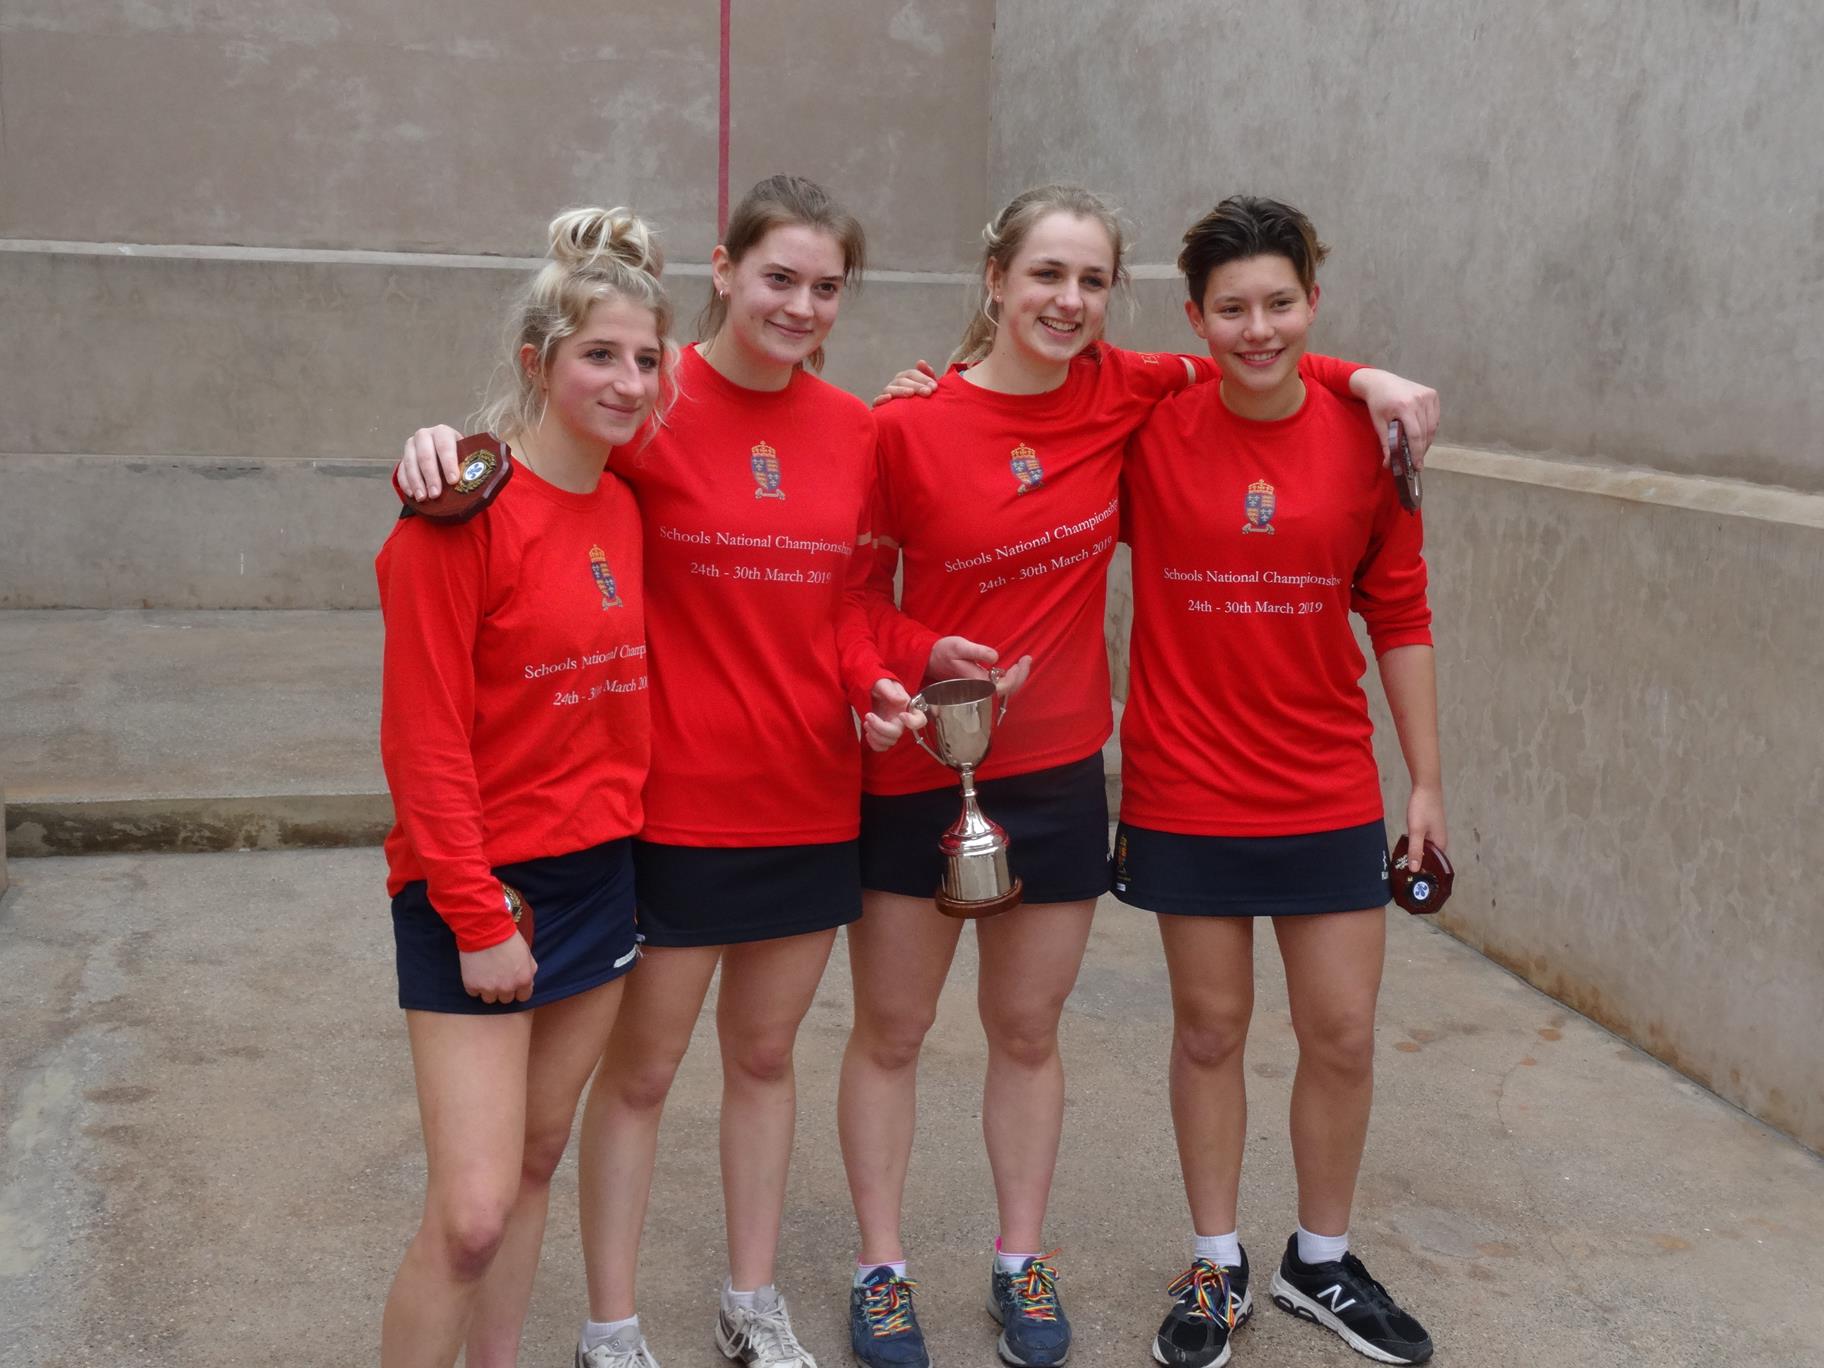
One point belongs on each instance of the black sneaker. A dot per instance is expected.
(1034, 1330)
(1341, 1296)
(1209, 1304)
(883, 1327)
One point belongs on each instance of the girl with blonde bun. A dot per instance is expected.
(515, 734)
(756, 498)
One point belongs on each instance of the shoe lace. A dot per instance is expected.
(613, 1354)
(1368, 1289)
(887, 1306)
(771, 1331)
(1208, 1285)
(1035, 1289)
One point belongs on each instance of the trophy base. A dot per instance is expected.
(989, 907)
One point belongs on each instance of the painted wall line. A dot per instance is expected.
(722, 120)
(340, 256)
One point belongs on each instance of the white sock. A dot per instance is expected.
(862, 1269)
(1222, 1250)
(1314, 1249)
(747, 1301)
(600, 1332)
(1010, 1263)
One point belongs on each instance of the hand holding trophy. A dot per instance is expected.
(960, 717)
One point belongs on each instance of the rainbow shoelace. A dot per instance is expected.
(1208, 1285)
(1035, 1289)
(888, 1307)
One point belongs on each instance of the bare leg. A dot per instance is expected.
(621, 1120)
(471, 1076)
(1333, 976)
(567, 1040)
(1211, 963)
(1030, 959)
(899, 956)
(767, 987)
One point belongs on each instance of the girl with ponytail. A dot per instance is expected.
(515, 734)
(1000, 502)
(756, 496)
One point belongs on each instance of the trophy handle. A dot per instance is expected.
(995, 674)
(919, 704)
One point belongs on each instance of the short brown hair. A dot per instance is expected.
(1244, 226)
(779, 202)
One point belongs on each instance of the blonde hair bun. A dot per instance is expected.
(581, 238)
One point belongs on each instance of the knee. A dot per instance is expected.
(543, 1152)
(1341, 1043)
(1026, 1040)
(468, 1232)
(1210, 1040)
(761, 1060)
(643, 1086)
(892, 1044)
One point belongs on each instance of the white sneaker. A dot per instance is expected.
(623, 1349)
(762, 1337)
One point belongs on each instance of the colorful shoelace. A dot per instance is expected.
(888, 1307)
(1209, 1287)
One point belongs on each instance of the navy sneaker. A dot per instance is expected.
(1209, 1304)
(1034, 1330)
(883, 1327)
(1342, 1297)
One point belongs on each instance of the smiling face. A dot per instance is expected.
(602, 381)
(1052, 300)
(1255, 317)
(782, 294)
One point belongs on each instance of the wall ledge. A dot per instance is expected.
(1637, 484)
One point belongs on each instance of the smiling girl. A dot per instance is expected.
(514, 731)
(756, 498)
(1260, 518)
(1000, 500)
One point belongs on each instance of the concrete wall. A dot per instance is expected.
(261, 234)
(1596, 229)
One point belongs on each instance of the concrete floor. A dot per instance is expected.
(211, 1153)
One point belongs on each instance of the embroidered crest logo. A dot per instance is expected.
(1260, 505)
(604, 578)
(1150, 358)
(764, 462)
(1026, 468)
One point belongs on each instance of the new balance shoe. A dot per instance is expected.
(1209, 1303)
(1341, 1296)
(1035, 1333)
(761, 1336)
(883, 1327)
(623, 1349)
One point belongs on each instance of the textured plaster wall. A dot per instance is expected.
(1631, 733)
(438, 125)
(1599, 229)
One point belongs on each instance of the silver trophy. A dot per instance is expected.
(960, 715)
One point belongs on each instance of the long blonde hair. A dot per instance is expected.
(1007, 232)
(595, 254)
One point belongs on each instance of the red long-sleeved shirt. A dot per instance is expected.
(1005, 509)
(514, 719)
(755, 504)
(1251, 544)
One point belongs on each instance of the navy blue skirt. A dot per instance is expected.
(1057, 833)
(728, 895)
(1251, 876)
(582, 927)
